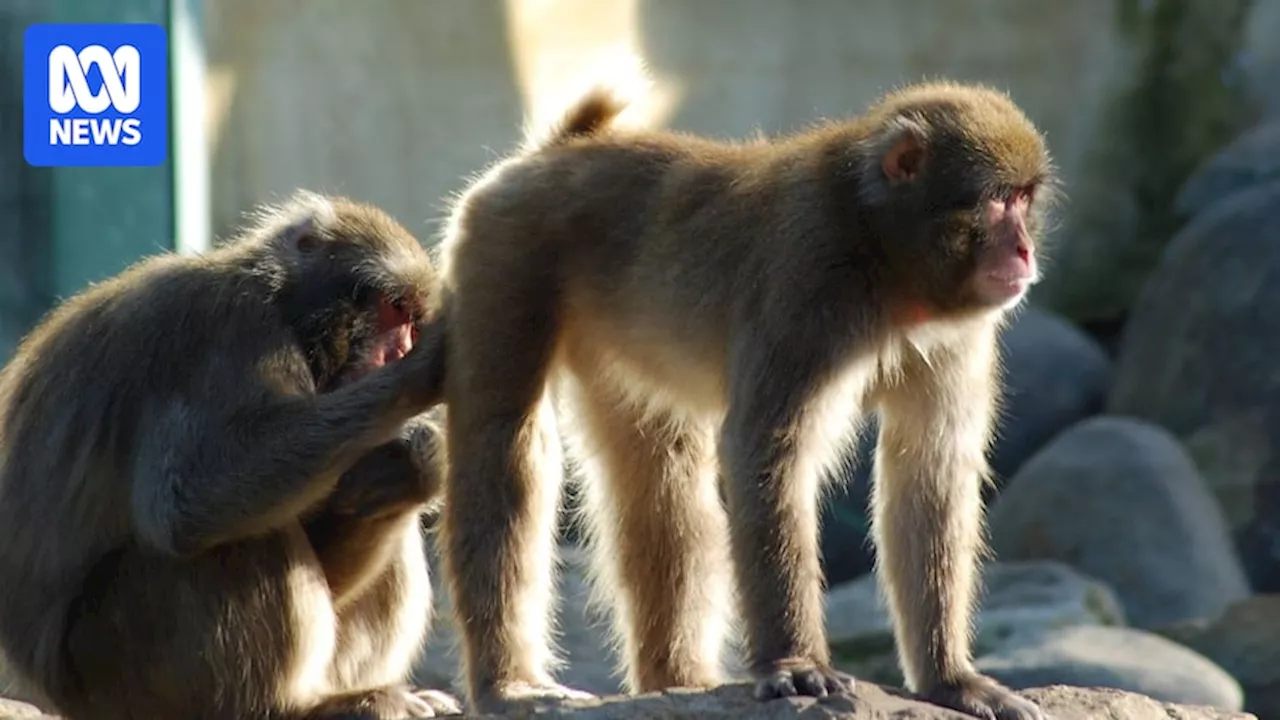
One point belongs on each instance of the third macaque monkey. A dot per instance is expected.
(717, 312)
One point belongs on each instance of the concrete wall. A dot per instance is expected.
(397, 101)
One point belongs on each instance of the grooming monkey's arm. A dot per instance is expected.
(936, 421)
(359, 526)
(206, 479)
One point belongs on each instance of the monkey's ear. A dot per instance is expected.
(904, 159)
(303, 235)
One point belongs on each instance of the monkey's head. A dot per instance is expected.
(353, 284)
(957, 181)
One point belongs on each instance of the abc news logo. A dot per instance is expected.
(69, 89)
(95, 95)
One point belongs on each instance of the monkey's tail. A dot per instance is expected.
(591, 114)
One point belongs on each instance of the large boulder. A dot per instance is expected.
(1250, 160)
(1054, 376)
(1114, 657)
(1199, 358)
(1019, 600)
(1244, 641)
(1120, 500)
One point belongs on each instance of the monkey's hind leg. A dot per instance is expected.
(245, 630)
(660, 538)
(502, 492)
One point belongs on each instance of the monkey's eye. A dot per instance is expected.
(1025, 194)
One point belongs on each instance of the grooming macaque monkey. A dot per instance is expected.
(211, 476)
(707, 312)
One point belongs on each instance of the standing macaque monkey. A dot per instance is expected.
(715, 312)
(211, 476)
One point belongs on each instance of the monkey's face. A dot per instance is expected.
(988, 255)
(357, 291)
(966, 212)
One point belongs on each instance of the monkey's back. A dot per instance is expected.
(72, 398)
(657, 244)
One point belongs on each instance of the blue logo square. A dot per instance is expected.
(95, 95)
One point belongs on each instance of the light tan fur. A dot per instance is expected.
(712, 316)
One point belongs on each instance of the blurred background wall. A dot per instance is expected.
(397, 102)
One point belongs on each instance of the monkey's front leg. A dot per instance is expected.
(935, 425)
(356, 531)
(767, 452)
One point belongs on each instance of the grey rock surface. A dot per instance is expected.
(1245, 641)
(1020, 599)
(1250, 160)
(1120, 500)
(1199, 358)
(1120, 658)
(868, 702)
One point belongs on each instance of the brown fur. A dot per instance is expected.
(708, 308)
(209, 504)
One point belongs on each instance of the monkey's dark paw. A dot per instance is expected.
(983, 697)
(509, 697)
(802, 679)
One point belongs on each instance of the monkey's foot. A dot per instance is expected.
(983, 697)
(388, 703)
(506, 697)
(442, 703)
(800, 678)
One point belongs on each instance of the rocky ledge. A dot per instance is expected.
(868, 702)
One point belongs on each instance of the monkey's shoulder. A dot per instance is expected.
(146, 330)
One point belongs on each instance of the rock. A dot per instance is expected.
(1019, 600)
(1054, 375)
(1120, 658)
(1244, 641)
(1199, 358)
(1250, 160)
(868, 702)
(1120, 500)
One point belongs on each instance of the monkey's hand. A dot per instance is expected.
(421, 371)
(801, 678)
(983, 697)
(395, 477)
